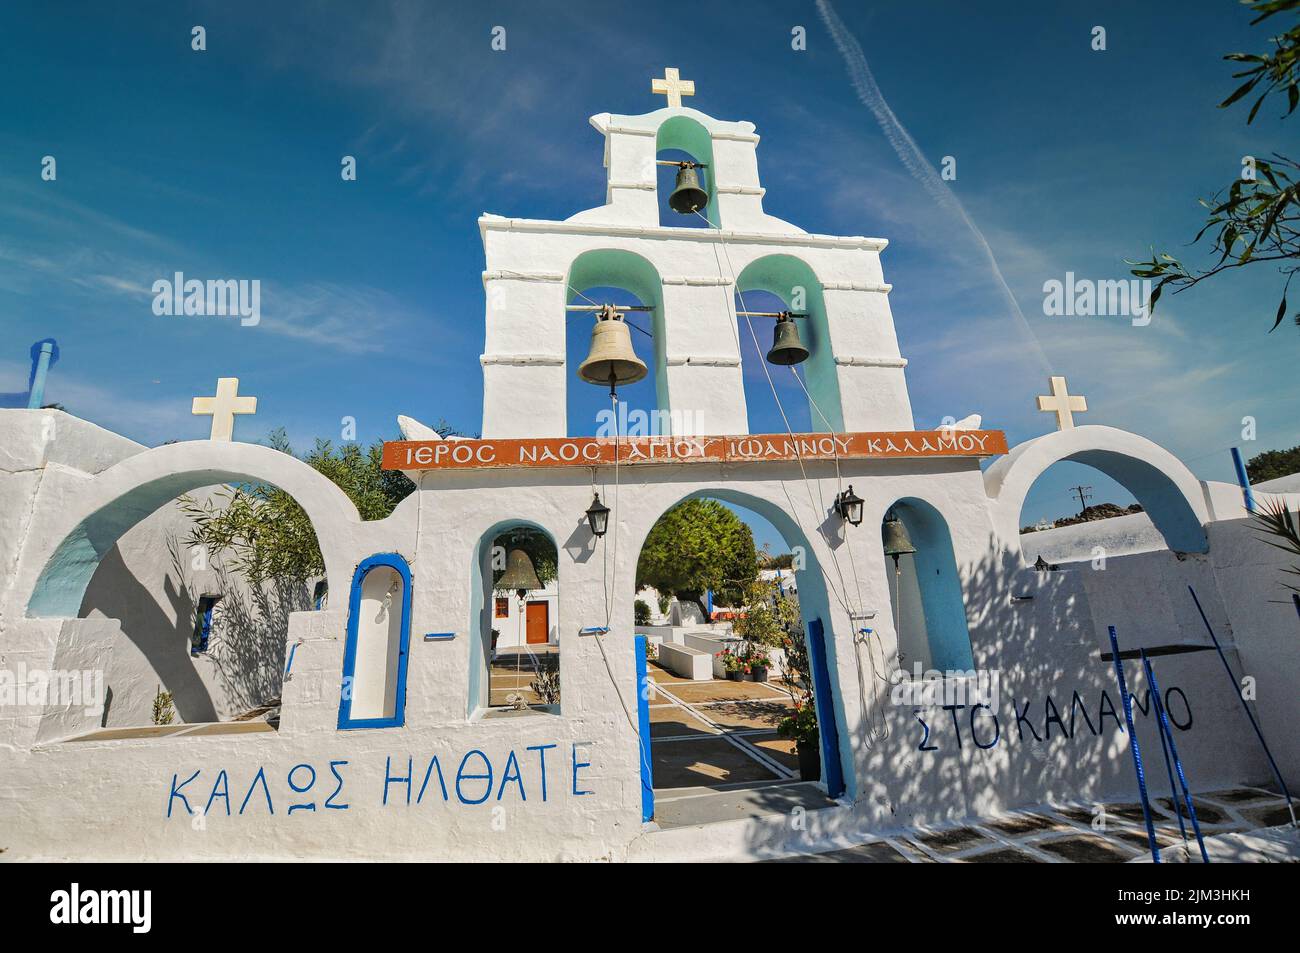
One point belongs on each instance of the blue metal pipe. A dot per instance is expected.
(1133, 740)
(1247, 496)
(1167, 735)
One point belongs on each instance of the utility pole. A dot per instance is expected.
(1084, 493)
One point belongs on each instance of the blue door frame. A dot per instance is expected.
(643, 730)
(393, 561)
(823, 699)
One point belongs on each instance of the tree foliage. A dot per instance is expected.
(1254, 219)
(696, 546)
(1272, 464)
(769, 614)
(260, 530)
(1275, 519)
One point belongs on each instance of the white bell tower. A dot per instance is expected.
(689, 278)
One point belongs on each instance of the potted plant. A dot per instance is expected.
(732, 665)
(801, 725)
(759, 662)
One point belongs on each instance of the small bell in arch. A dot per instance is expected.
(520, 574)
(611, 360)
(894, 535)
(787, 349)
(687, 195)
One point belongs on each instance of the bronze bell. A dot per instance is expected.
(687, 195)
(894, 534)
(611, 360)
(520, 574)
(787, 349)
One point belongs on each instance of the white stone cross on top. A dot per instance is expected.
(224, 406)
(1062, 403)
(672, 86)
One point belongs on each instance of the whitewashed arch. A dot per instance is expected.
(1167, 490)
(55, 572)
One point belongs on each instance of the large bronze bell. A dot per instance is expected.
(611, 360)
(787, 349)
(687, 195)
(520, 574)
(894, 535)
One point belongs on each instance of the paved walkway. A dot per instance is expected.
(1070, 833)
(716, 755)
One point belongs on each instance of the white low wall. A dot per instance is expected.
(1117, 536)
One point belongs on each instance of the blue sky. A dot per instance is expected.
(225, 163)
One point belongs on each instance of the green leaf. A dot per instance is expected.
(1240, 91)
(1255, 108)
(1281, 313)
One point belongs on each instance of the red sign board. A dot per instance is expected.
(635, 451)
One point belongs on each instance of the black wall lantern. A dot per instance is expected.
(598, 517)
(849, 505)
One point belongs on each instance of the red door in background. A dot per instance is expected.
(538, 623)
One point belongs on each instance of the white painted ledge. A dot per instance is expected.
(488, 223)
(522, 360)
(847, 361)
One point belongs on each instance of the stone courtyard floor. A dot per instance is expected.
(716, 755)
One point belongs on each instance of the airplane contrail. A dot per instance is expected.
(864, 84)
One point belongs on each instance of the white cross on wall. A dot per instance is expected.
(224, 406)
(673, 86)
(1062, 403)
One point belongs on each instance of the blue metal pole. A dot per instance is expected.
(1236, 690)
(1133, 740)
(1247, 496)
(643, 730)
(1164, 749)
(42, 357)
(1167, 735)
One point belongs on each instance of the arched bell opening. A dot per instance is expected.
(378, 644)
(686, 192)
(806, 385)
(773, 397)
(631, 284)
(927, 608)
(515, 661)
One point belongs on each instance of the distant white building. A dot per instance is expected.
(537, 624)
(785, 578)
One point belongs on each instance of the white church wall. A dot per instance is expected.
(31, 440)
(1258, 616)
(1045, 648)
